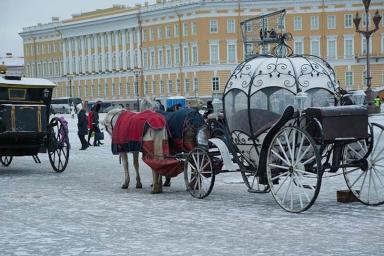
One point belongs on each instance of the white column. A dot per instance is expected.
(70, 55)
(123, 37)
(65, 68)
(95, 38)
(109, 51)
(117, 52)
(131, 50)
(89, 54)
(83, 54)
(102, 52)
(138, 48)
(76, 55)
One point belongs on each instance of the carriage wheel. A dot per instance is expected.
(6, 160)
(251, 178)
(199, 173)
(366, 182)
(294, 169)
(58, 149)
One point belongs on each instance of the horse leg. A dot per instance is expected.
(155, 182)
(167, 182)
(124, 158)
(136, 165)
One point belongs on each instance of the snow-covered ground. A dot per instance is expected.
(83, 211)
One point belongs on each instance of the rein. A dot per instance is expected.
(111, 122)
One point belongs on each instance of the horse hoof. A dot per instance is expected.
(156, 192)
(139, 185)
(167, 183)
(124, 186)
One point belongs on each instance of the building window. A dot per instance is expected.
(331, 48)
(364, 19)
(213, 28)
(297, 23)
(186, 55)
(99, 89)
(364, 78)
(186, 87)
(168, 57)
(144, 34)
(127, 88)
(152, 59)
(167, 31)
(231, 52)
(194, 55)
(153, 87)
(159, 33)
(177, 30)
(151, 34)
(145, 59)
(177, 55)
(136, 87)
(170, 87)
(178, 86)
(348, 18)
(105, 89)
(193, 28)
(185, 29)
(331, 22)
(160, 57)
(299, 47)
(364, 46)
(215, 84)
(315, 47)
(314, 22)
(196, 86)
(113, 89)
(93, 89)
(145, 87)
(348, 48)
(161, 87)
(120, 88)
(231, 26)
(214, 53)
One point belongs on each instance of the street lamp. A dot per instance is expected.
(137, 72)
(367, 34)
(70, 78)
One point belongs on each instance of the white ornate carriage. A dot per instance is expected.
(285, 127)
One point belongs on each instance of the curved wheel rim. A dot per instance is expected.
(198, 173)
(60, 154)
(294, 169)
(366, 184)
(6, 160)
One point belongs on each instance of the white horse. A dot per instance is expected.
(157, 136)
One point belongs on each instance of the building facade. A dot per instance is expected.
(188, 47)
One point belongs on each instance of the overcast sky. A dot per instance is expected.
(16, 14)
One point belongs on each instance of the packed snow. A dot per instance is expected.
(83, 211)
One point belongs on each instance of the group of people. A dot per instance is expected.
(88, 124)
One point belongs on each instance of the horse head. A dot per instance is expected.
(147, 104)
(110, 119)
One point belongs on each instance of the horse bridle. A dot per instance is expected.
(111, 123)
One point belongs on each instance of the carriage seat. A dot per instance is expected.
(261, 121)
(341, 122)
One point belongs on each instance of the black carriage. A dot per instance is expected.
(25, 128)
(286, 129)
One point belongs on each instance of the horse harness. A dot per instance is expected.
(111, 123)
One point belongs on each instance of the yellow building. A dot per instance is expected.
(188, 47)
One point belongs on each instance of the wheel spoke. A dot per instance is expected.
(301, 156)
(280, 175)
(289, 146)
(309, 160)
(281, 184)
(282, 159)
(361, 174)
(279, 166)
(283, 150)
(302, 187)
(286, 192)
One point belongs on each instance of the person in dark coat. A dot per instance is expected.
(159, 105)
(82, 128)
(95, 124)
(209, 109)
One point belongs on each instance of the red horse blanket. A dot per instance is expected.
(130, 134)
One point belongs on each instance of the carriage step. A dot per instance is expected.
(36, 159)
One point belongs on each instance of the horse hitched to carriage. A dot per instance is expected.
(25, 128)
(286, 128)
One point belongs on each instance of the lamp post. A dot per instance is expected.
(70, 78)
(137, 72)
(367, 34)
